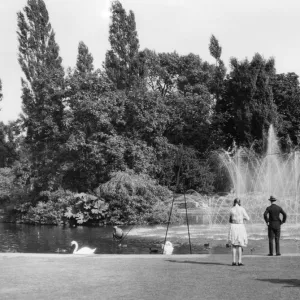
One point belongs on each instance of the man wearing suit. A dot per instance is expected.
(274, 222)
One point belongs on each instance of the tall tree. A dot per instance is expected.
(1, 95)
(85, 59)
(170, 72)
(93, 111)
(216, 86)
(286, 91)
(219, 72)
(9, 143)
(215, 49)
(42, 87)
(248, 100)
(122, 61)
(194, 75)
(161, 71)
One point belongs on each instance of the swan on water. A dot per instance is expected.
(84, 250)
(168, 248)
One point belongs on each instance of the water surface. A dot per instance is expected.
(54, 239)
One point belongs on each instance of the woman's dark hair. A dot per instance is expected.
(236, 201)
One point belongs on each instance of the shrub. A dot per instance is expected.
(135, 199)
(86, 208)
(6, 184)
(59, 206)
(43, 213)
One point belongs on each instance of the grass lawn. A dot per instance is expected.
(59, 276)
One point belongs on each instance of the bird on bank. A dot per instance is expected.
(207, 246)
(84, 250)
(153, 250)
(167, 248)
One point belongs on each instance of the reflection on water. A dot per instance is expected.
(54, 239)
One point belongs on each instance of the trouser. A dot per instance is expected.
(274, 233)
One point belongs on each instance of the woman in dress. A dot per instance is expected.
(237, 233)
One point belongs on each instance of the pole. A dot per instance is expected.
(187, 222)
(177, 183)
(169, 221)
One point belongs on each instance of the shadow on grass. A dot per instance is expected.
(197, 262)
(291, 282)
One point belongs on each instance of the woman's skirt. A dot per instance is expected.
(238, 235)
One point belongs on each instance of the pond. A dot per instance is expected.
(54, 239)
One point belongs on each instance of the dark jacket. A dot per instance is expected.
(271, 216)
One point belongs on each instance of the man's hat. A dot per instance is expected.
(272, 199)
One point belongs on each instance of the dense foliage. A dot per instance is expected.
(111, 145)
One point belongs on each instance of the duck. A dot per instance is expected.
(60, 250)
(84, 250)
(207, 246)
(167, 248)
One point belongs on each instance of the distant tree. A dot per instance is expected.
(189, 119)
(215, 49)
(217, 137)
(194, 75)
(286, 94)
(219, 72)
(1, 95)
(170, 72)
(248, 100)
(3, 146)
(6, 184)
(92, 148)
(122, 60)
(85, 59)
(43, 88)
(161, 71)
(9, 143)
(184, 169)
(146, 115)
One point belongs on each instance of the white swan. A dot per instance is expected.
(168, 248)
(84, 250)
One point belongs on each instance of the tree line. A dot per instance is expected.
(109, 145)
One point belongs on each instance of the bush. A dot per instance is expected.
(135, 199)
(127, 198)
(43, 213)
(6, 184)
(87, 208)
(58, 207)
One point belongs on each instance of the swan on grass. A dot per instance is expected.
(167, 248)
(84, 250)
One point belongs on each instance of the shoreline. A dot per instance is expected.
(148, 256)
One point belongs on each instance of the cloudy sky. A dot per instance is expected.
(243, 27)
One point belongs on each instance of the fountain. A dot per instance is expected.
(255, 178)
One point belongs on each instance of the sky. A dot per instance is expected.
(242, 27)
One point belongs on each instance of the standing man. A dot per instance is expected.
(273, 221)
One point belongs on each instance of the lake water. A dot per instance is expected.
(55, 239)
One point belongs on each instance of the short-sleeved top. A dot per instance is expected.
(238, 214)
